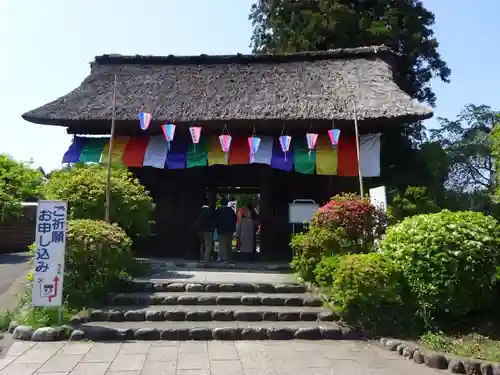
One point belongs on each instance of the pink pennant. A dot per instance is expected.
(225, 142)
(253, 145)
(334, 135)
(169, 131)
(195, 132)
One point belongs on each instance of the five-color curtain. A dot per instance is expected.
(154, 152)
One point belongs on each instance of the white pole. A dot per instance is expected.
(111, 138)
(357, 149)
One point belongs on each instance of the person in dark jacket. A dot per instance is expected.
(225, 223)
(205, 227)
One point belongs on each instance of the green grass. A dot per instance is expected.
(472, 345)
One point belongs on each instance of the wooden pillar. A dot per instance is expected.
(266, 231)
(169, 215)
(275, 230)
(194, 195)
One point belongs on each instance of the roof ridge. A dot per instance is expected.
(118, 59)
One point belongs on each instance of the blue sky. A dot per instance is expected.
(47, 45)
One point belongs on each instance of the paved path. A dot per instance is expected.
(13, 269)
(206, 358)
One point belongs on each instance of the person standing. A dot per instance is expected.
(225, 223)
(205, 227)
(246, 234)
(255, 220)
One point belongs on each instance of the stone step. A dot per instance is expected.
(159, 265)
(211, 287)
(207, 298)
(112, 331)
(207, 313)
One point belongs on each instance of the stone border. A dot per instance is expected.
(126, 299)
(94, 333)
(440, 361)
(146, 286)
(142, 315)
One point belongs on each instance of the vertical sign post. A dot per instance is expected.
(50, 241)
(378, 198)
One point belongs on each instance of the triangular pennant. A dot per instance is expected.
(253, 145)
(169, 131)
(145, 120)
(195, 132)
(225, 142)
(334, 135)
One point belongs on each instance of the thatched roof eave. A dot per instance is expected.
(240, 89)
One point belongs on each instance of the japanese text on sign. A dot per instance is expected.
(50, 241)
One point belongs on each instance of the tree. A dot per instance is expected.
(468, 144)
(414, 201)
(19, 182)
(403, 25)
(495, 150)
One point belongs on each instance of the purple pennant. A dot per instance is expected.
(74, 151)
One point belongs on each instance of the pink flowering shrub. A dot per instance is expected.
(360, 221)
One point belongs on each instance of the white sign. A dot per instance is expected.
(378, 198)
(301, 211)
(50, 241)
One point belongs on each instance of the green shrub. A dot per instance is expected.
(448, 260)
(84, 187)
(18, 182)
(359, 220)
(413, 201)
(325, 271)
(310, 247)
(98, 258)
(366, 289)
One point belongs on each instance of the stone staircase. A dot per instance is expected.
(206, 308)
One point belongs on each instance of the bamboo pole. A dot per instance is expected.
(361, 190)
(110, 153)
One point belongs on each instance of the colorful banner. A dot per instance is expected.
(280, 160)
(197, 155)
(369, 151)
(347, 164)
(119, 144)
(304, 159)
(74, 151)
(264, 152)
(215, 154)
(133, 155)
(152, 151)
(176, 157)
(156, 152)
(92, 151)
(326, 156)
(238, 153)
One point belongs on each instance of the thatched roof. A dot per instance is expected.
(248, 89)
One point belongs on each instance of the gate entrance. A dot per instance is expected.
(179, 196)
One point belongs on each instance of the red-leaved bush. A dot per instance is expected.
(361, 221)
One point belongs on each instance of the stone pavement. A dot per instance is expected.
(206, 358)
